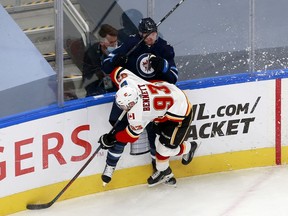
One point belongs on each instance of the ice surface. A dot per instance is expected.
(250, 192)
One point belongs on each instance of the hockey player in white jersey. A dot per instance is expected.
(165, 105)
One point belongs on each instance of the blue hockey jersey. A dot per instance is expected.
(138, 60)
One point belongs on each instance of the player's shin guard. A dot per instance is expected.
(153, 159)
(151, 135)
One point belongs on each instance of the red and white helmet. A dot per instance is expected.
(126, 97)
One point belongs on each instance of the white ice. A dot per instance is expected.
(250, 192)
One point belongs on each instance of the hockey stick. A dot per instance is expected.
(47, 205)
(105, 15)
(164, 18)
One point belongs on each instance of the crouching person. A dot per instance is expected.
(167, 107)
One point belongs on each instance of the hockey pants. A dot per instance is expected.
(171, 141)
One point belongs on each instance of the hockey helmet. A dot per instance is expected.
(147, 25)
(126, 97)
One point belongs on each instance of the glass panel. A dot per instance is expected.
(122, 15)
(271, 30)
(210, 38)
(25, 27)
(36, 19)
(74, 46)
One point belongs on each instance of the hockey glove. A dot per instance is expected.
(119, 60)
(159, 64)
(107, 141)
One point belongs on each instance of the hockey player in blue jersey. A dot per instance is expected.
(152, 60)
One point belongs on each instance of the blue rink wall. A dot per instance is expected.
(239, 122)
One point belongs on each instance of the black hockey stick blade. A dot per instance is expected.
(38, 206)
(47, 205)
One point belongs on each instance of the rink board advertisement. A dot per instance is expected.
(54, 147)
(229, 118)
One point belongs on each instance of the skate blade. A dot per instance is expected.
(170, 182)
(166, 178)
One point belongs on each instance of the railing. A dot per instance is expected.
(78, 21)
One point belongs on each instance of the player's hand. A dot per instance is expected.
(107, 141)
(119, 60)
(159, 64)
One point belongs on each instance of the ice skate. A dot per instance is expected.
(187, 158)
(160, 177)
(171, 182)
(107, 174)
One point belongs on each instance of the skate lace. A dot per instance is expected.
(108, 171)
(156, 174)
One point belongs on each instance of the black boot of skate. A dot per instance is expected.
(187, 158)
(160, 177)
(107, 174)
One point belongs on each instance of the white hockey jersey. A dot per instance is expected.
(159, 101)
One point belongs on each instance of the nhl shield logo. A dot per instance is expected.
(143, 66)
